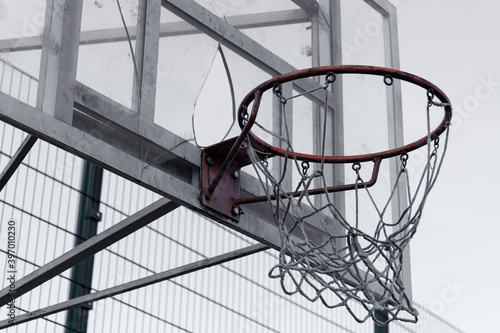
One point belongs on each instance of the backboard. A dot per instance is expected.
(142, 93)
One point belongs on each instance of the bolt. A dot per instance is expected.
(236, 174)
(236, 210)
(209, 160)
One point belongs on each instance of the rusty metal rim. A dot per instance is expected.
(256, 94)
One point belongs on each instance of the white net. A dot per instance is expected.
(349, 266)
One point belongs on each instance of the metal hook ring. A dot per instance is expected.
(388, 80)
(330, 77)
(277, 89)
(430, 94)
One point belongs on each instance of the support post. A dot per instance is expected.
(88, 218)
(146, 57)
(382, 316)
(61, 40)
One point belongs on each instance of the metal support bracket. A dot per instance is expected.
(95, 215)
(228, 188)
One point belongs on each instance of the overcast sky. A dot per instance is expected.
(455, 265)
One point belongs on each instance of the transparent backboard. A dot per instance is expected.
(142, 89)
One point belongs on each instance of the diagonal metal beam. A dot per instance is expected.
(16, 160)
(215, 27)
(310, 6)
(90, 247)
(149, 280)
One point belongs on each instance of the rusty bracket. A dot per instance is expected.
(220, 197)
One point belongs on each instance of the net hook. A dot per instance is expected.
(305, 167)
(388, 80)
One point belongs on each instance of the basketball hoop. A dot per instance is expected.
(354, 266)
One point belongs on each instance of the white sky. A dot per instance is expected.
(455, 265)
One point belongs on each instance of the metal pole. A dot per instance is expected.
(90, 247)
(140, 283)
(88, 218)
(383, 317)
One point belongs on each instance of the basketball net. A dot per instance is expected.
(361, 270)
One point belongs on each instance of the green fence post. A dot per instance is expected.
(88, 218)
